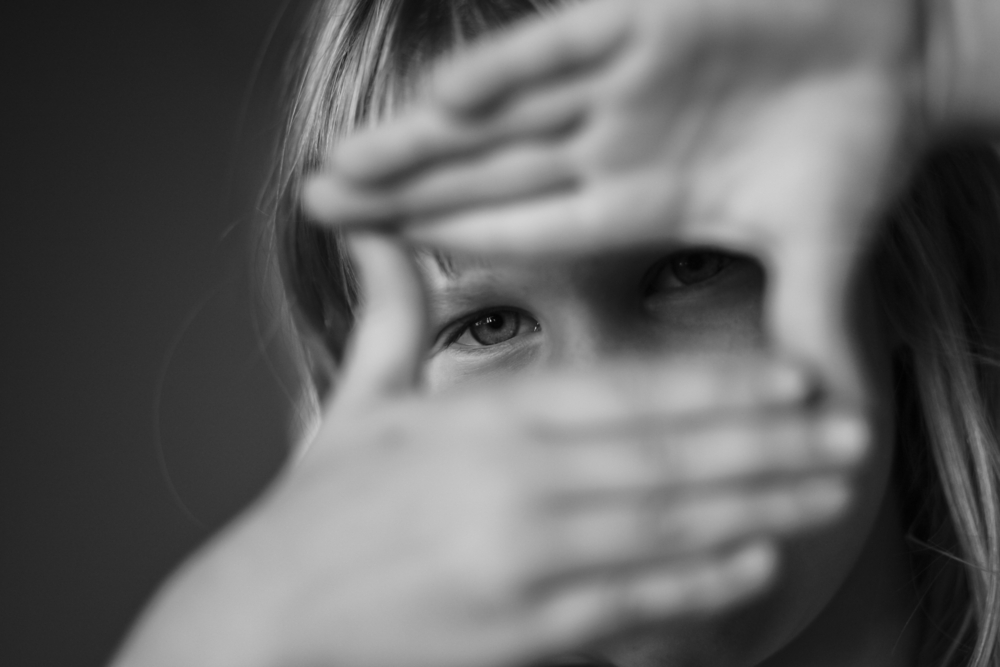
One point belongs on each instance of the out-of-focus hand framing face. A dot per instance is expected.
(635, 174)
(773, 127)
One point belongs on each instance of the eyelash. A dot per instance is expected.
(467, 324)
(671, 264)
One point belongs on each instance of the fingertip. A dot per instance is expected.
(343, 156)
(387, 270)
(330, 200)
(317, 197)
(847, 437)
(756, 564)
(362, 157)
(387, 347)
(791, 381)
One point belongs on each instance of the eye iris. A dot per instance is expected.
(495, 328)
(697, 266)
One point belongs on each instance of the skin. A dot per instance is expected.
(776, 126)
(843, 595)
(281, 586)
(495, 519)
(780, 127)
(620, 124)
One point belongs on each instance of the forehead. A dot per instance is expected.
(446, 271)
(452, 279)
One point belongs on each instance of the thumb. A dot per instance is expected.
(387, 347)
(811, 314)
(824, 212)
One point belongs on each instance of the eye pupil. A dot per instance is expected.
(694, 263)
(697, 266)
(496, 327)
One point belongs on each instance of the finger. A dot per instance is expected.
(812, 306)
(403, 144)
(386, 350)
(523, 170)
(667, 460)
(603, 606)
(644, 391)
(518, 171)
(816, 210)
(528, 226)
(387, 155)
(808, 307)
(630, 210)
(531, 55)
(624, 536)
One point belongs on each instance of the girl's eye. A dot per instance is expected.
(689, 268)
(495, 327)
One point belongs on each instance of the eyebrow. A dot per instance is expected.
(445, 263)
(464, 287)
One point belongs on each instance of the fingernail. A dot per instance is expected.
(845, 437)
(315, 195)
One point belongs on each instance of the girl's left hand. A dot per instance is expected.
(498, 525)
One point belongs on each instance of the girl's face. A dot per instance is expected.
(491, 320)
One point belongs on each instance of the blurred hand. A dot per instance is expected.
(780, 128)
(510, 522)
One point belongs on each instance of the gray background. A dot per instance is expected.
(136, 139)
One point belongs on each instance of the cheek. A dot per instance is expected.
(445, 371)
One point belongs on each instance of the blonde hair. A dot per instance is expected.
(937, 270)
(938, 276)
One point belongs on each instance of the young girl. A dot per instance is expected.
(603, 455)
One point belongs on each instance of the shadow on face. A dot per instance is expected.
(493, 318)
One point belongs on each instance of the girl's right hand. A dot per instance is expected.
(508, 523)
(778, 128)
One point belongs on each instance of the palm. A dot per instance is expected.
(654, 131)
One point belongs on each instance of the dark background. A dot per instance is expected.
(135, 349)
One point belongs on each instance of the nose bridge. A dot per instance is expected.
(587, 333)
